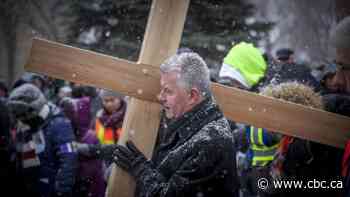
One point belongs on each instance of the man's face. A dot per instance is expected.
(341, 80)
(111, 103)
(174, 99)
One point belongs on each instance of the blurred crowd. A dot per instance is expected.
(58, 138)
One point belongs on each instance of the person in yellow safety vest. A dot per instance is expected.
(109, 120)
(294, 157)
(262, 146)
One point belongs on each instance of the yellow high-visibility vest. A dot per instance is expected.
(262, 154)
(106, 135)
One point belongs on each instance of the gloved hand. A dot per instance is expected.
(82, 148)
(103, 151)
(130, 159)
(99, 151)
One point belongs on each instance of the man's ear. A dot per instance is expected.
(195, 96)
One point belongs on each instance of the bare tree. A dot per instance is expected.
(301, 25)
(21, 20)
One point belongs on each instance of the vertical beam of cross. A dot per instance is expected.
(162, 38)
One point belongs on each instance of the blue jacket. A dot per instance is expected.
(58, 161)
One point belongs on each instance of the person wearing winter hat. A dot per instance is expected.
(293, 157)
(108, 125)
(285, 69)
(90, 180)
(44, 139)
(243, 67)
(285, 55)
(338, 102)
(106, 129)
(109, 120)
(340, 38)
(326, 78)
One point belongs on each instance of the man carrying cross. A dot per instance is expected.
(194, 154)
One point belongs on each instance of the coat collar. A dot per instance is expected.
(193, 120)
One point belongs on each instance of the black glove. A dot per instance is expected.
(103, 151)
(130, 159)
(99, 151)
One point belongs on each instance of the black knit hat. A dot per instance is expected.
(284, 54)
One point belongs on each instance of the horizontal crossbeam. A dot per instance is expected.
(142, 81)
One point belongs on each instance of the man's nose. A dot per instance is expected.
(160, 97)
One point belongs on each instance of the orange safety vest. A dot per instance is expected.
(106, 135)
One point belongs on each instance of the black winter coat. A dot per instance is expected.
(194, 156)
(58, 162)
(340, 104)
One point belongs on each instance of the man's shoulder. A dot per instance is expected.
(217, 129)
(215, 137)
(218, 124)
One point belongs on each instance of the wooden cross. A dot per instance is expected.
(141, 81)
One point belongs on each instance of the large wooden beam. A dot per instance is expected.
(283, 117)
(95, 69)
(142, 81)
(164, 30)
(140, 125)
(162, 38)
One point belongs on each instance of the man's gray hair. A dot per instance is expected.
(192, 69)
(340, 37)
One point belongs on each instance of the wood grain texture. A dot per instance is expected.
(164, 30)
(129, 78)
(282, 117)
(162, 38)
(87, 67)
(140, 125)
